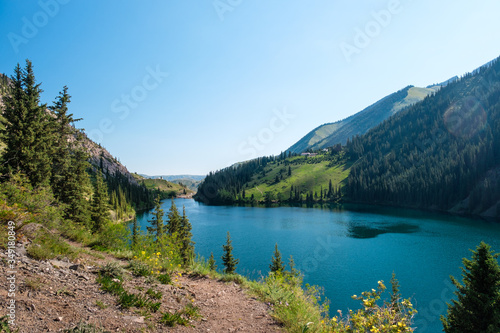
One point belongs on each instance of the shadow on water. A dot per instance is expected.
(372, 231)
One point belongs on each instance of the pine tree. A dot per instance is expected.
(395, 294)
(174, 220)
(62, 135)
(211, 262)
(100, 204)
(477, 308)
(227, 258)
(27, 133)
(76, 189)
(187, 245)
(135, 232)
(293, 271)
(277, 265)
(70, 181)
(156, 222)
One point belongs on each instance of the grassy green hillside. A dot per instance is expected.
(172, 189)
(311, 174)
(286, 178)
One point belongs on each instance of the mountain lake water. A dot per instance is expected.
(346, 249)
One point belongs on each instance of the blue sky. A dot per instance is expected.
(186, 87)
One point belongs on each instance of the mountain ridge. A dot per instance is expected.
(329, 134)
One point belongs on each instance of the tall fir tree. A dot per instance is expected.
(100, 204)
(76, 188)
(477, 307)
(174, 220)
(27, 130)
(157, 227)
(70, 180)
(187, 244)
(211, 262)
(277, 265)
(227, 258)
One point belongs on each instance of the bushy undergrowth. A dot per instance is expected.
(48, 246)
(181, 317)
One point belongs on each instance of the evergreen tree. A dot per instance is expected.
(70, 180)
(135, 232)
(156, 222)
(211, 262)
(75, 189)
(277, 265)
(62, 134)
(187, 245)
(477, 308)
(100, 206)
(227, 258)
(174, 220)
(27, 133)
(395, 294)
(293, 271)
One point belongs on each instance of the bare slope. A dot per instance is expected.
(330, 134)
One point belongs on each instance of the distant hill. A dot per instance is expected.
(286, 178)
(172, 189)
(328, 135)
(175, 177)
(190, 181)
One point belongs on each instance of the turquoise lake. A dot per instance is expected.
(347, 249)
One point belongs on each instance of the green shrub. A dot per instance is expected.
(112, 270)
(4, 325)
(139, 268)
(154, 306)
(236, 278)
(171, 320)
(47, 246)
(154, 294)
(191, 311)
(164, 278)
(110, 286)
(127, 300)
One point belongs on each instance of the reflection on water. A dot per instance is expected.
(373, 230)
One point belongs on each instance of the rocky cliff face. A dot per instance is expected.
(96, 151)
(99, 156)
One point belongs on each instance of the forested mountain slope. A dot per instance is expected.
(125, 192)
(330, 134)
(443, 153)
